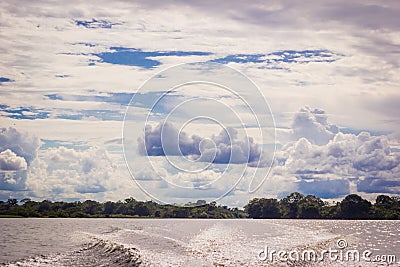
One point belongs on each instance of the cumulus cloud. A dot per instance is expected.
(345, 27)
(21, 143)
(9, 161)
(153, 145)
(321, 160)
(326, 161)
(166, 140)
(313, 125)
(65, 172)
(17, 151)
(345, 155)
(56, 172)
(12, 181)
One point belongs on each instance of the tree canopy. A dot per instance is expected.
(127, 208)
(298, 206)
(293, 206)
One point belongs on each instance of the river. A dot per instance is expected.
(197, 242)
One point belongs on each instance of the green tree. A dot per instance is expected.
(310, 207)
(290, 205)
(330, 211)
(386, 207)
(263, 208)
(354, 207)
(91, 207)
(270, 208)
(201, 202)
(12, 201)
(180, 212)
(45, 207)
(109, 207)
(253, 208)
(141, 209)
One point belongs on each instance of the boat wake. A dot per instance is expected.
(196, 243)
(97, 252)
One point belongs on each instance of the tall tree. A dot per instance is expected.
(253, 208)
(310, 207)
(290, 205)
(270, 208)
(355, 207)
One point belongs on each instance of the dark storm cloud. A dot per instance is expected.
(378, 185)
(325, 188)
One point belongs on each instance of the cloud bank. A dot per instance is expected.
(326, 162)
(56, 172)
(320, 160)
(224, 148)
(341, 56)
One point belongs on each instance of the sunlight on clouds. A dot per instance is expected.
(68, 173)
(339, 159)
(65, 77)
(9, 161)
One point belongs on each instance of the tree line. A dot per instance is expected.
(293, 206)
(298, 206)
(127, 208)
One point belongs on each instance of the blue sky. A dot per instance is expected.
(328, 71)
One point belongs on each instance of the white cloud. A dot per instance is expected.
(360, 89)
(9, 161)
(11, 182)
(18, 150)
(329, 168)
(166, 140)
(22, 144)
(313, 125)
(68, 173)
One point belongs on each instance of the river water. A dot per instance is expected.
(197, 242)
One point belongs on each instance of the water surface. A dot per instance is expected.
(184, 242)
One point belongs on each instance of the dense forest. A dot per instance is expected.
(127, 208)
(293, 206)
(298, 206)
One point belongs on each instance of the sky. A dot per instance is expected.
(295, 96)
